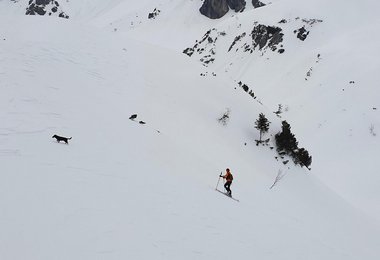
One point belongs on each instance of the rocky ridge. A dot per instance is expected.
(261, 38)
(215, 9)
(45, 7)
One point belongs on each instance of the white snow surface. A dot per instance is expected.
(124, 190)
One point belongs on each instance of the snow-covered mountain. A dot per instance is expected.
(145, 188)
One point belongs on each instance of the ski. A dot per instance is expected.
(228, 195)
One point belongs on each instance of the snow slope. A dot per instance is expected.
(123, 190)
(327, 84)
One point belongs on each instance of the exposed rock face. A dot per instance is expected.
(266, 36)
(42, 7)
(214, 9)
(205, 47)
(154, 14)
(262, 38)
(302, 33)
(257, 3)
(246, 89)
(237, 5)
(237, 39)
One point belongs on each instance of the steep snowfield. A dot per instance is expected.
(123, 190)
(327, 84)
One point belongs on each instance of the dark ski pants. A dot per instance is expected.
(227, 186)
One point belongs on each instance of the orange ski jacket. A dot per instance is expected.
(228, 176)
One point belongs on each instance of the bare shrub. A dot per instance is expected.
(225, 117)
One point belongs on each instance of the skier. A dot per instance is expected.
(228, 176)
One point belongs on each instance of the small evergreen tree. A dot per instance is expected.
(262, 124)
(285, 140)
(287, 144)
(302, 157)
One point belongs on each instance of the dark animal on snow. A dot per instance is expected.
(61, 138)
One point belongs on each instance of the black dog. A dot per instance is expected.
(60, 138)
(133, 117)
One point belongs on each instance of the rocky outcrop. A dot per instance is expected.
(237, 39)
(205, 47)
(154, 14)
(214, 9)
(257, 3)
(246, 89)
(264, 36)
(302, 33)
(43, 7)
(236, 5)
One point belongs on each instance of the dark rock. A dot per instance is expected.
(237, 38)
(35, 9)
(63, 15)
(266, 36)
(208, 39)
(189, 51)
(40, 7)
(246, 89)
(43, 2)
(257, 4)
(312, 22)
(40, 11)
(214, 9)
(236, 5)
(153, 14)
(132, 117)
(302, 33)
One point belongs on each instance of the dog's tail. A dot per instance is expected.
(69, 138)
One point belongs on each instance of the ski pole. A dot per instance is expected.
(218, 181)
